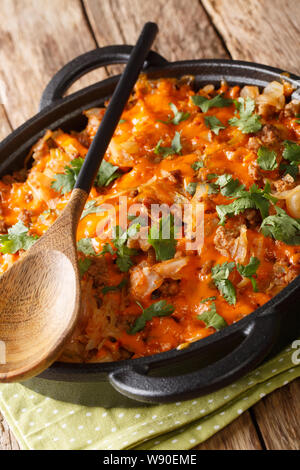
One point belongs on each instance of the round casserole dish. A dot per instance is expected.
(221, 358)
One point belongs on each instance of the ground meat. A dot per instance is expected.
(254, 172)
(254, 143)
(41, 148)
(83, 138)
(225, 239)
(292, 109)
(167, 289)
(98, 271)
(283, 274)
(269, 135)
(28, 198)
(25, 217)
(266, 110)
(284, 184)
(252, 218)
(3, 227)
(206, 267)
(175, 176)
(134, 193)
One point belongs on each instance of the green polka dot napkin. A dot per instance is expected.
(77, 421)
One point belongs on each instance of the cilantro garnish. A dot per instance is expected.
(65, 182)
(90, 208)
(197, 165)
(85, 246)
(212, 319)
(191, 188)
(266, 159)
(84, 265)
(220, 274)
(249, 270)
(229, 186)
(179, 116)
(205, 104)
(292, 154)
(107, 248)
(122, 121)
(158, 309)
(124, 253)
(16, 239)
(207, 299)
(247, 122)
(255, 198)
(119, 286)
(282, 227)
(162, 238)
(213, 123)
(107, 173)
(297, 118)
(166, 151)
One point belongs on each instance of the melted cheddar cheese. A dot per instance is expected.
(146, 177)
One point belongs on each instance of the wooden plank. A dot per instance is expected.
(185, 31)
(278, 417)
(239, 435)
(7, 439)
(37, 38)
(265, 31)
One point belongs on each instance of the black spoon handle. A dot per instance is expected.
(115, 108)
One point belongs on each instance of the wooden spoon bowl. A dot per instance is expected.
(40, 294)
(40, 298)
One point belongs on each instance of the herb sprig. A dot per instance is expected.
(248, 121)
(157, 309)
(16, 239)
(218, 101)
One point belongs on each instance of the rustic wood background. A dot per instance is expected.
(37, 37)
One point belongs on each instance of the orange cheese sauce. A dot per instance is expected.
(103, 331)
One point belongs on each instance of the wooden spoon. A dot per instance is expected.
(40, 294)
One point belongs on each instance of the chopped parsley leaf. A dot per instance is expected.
(267, 159)
(91, 208)
(158, 309)
(162, 238)
(16, 239)
(166, 151)
(85, 246)
(107, 173)
(212, 319)
(65, 182)
(282, 227)
(249, 270)
(247, 122)
(191, 188)
(207, 299)
(205, 104)
(292, 154)
(84, 265)
(213, 123)
(220, 274)
(119, 286)
(197, 165)
(255, 198)
(179, 116)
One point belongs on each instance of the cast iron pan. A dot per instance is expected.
(210, 363)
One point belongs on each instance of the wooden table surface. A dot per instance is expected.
(37, 37)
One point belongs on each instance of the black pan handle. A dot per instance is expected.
(259, 337)
(84, 63)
